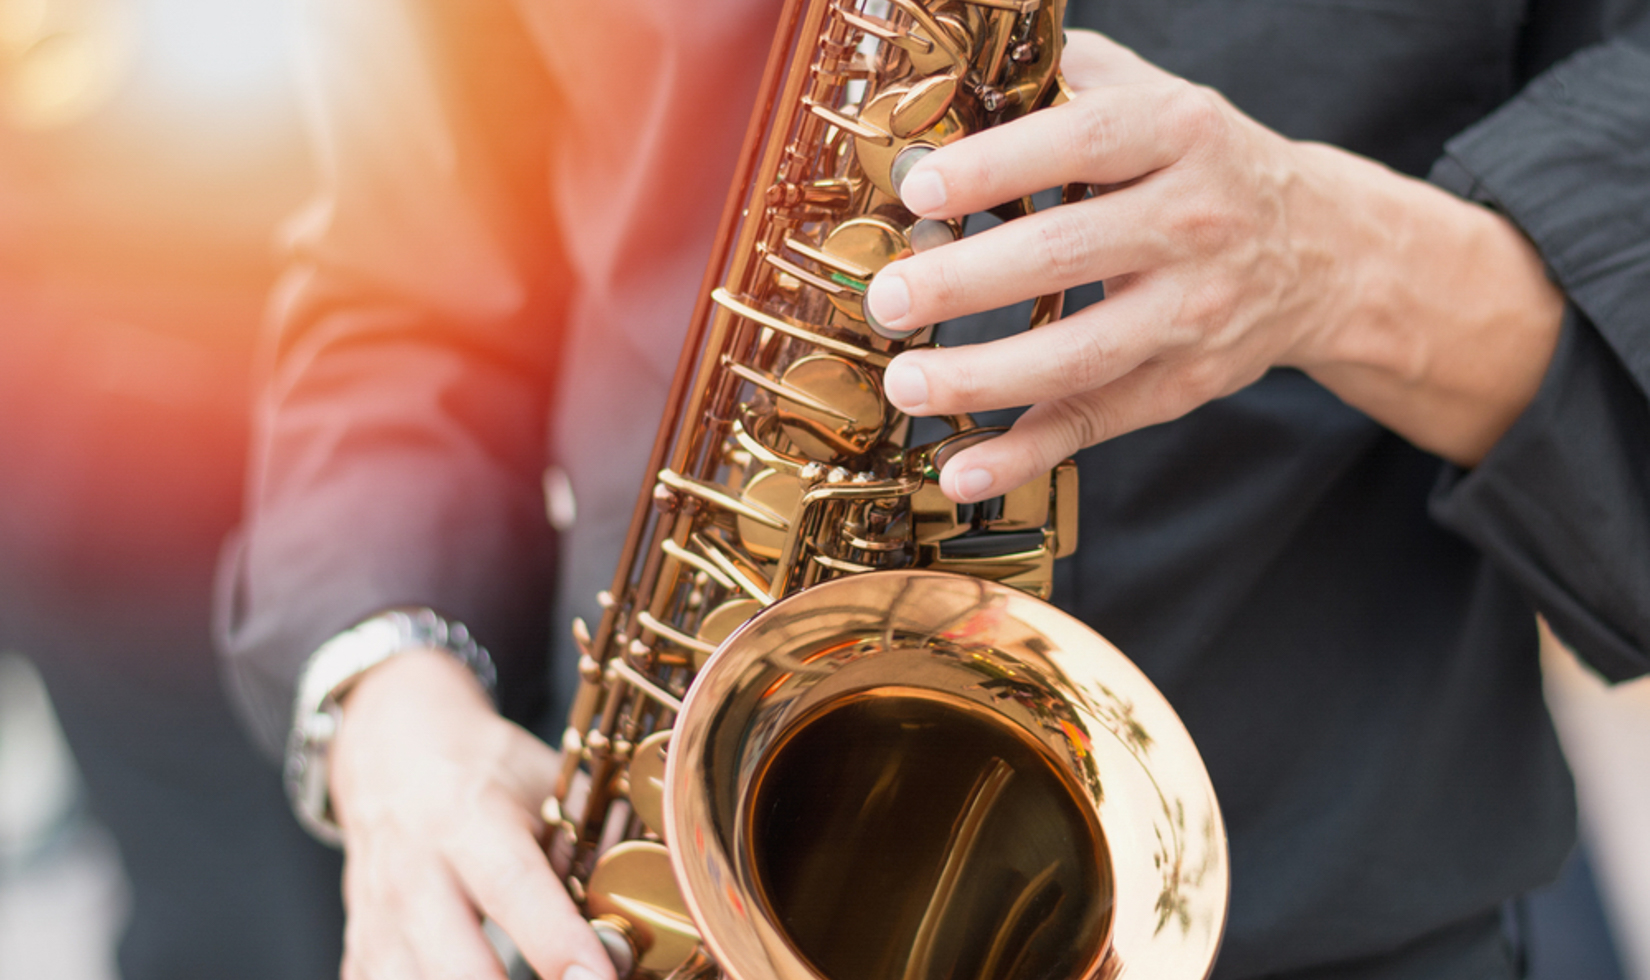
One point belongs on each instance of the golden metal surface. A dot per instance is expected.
(877, 157)
(804, 332)
(858, 417)
(718, 497)
(647, 780)
(724, 619)
(742, 569)
(867, 244)
(934, 516)
(1030, 571)
(787, 391)
(775, 492)
(1065, 513)
(857, 713)
(838, 262)
(642, 685)
(1025, 508)
(654, 625)
(633, 885)
(700, 562)
(923, 106)
(960, 23)
(883, 757)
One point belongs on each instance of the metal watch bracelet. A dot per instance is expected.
(329, 674)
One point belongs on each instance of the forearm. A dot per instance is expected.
(1449, 321)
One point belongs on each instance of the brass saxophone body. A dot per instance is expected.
(829, 727)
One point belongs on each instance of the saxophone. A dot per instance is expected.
(827, 726)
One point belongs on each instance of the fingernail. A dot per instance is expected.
(888, 298)
(973, 484)
(906, 385)
(579, 972)
(923, 192)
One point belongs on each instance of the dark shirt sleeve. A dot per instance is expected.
(1562, 502)
(399, 435)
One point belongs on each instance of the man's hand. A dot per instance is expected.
(1226, 250)
(438, 798)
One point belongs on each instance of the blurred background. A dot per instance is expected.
(148, 151)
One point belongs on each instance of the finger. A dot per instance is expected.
(1084, 351)
(1091, 59)
(446, 936)
(1052, 250)
(376, 949)
(510, 878)
(1109, 135)
(409, 919)
(392, 963)
(531, 771)
(374, 945)
(1052, 431)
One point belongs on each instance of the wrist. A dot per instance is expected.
(1358, 217)
(395, 723)
(338, 668)
(1446, 319)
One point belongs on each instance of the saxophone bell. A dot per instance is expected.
(913, 775)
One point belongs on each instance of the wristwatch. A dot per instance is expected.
(329, 674)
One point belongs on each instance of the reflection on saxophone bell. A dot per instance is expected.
(830, 726)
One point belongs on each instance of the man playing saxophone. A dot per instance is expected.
(1343, 430)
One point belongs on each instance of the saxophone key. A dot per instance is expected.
(769, 491)
(647, 781)
(634, 890)
(854, 419)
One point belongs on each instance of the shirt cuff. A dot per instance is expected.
(1566, 160)
(1561, 503)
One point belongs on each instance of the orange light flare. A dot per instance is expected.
(148, 151)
